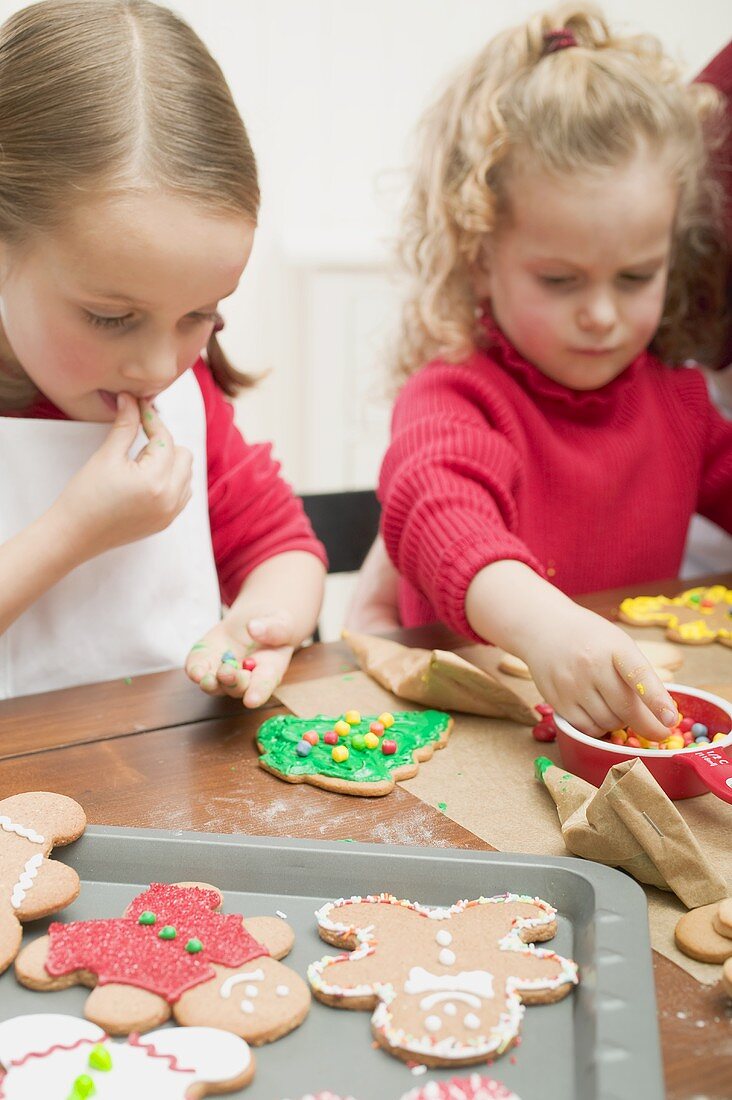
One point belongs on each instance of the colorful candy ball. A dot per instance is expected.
(303, 748)
(249, 664)
(377, 728)
(386, 719)
(388, 747)
(311, 736)
(342, 727)
(371, 741)
(339, 754)
(330, 737)
(545, 730)
(353, 717)
(358, 742)
(699, 730)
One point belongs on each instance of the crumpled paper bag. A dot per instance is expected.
(630, 823)
(437, 678)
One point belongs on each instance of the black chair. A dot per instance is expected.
(346, 523)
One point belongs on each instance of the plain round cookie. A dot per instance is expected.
(696, 936)
(722, 919)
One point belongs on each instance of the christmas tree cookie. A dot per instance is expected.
(351, 754)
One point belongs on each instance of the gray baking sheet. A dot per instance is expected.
(599, 1043)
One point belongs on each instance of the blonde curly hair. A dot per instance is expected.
(565, 111)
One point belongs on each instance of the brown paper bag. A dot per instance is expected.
(630, 823)
(437, 678)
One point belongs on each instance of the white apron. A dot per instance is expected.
(138, 608)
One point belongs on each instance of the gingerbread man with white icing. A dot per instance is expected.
(31, 885)
(54, 1057)
(447, 986)
(173, 953)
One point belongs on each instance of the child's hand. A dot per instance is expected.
(214, 663)
(596, 678)
(114, 499)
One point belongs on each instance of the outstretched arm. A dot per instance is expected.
(588, 669)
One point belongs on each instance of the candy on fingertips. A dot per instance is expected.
(249, 664)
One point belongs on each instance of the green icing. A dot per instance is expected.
(540, 766)
(412, 730)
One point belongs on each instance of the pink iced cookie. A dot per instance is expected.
(474, 1087)
(49, 1056)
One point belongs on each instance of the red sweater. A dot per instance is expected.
(490, 459)
(252, 510)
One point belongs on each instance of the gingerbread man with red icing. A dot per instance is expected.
(173, 953)
(32, 885)
(446, 986)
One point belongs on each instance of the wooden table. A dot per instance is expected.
(155, 752)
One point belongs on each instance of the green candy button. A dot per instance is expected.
(100, 1059)
(357, 742)
(146, 918)
(83, 1086)
(167, 933)
(194, 946)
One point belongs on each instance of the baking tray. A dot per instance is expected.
(599, 1043)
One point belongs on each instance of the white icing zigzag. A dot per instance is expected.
(24, 883)
(20, 830)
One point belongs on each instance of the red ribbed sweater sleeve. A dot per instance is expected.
(253, 511)
(489, 459)
(448, 487)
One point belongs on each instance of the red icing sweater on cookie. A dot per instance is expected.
(489, 459)
(252, 510)
(125, 951)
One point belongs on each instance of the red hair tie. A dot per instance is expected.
(560, 39)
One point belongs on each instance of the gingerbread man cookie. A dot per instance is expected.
(53, 1057)
(31, 885)
(173, 953)
(698, 616)
(447, 986)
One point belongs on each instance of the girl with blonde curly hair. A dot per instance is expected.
(563, 242)
(130, 505)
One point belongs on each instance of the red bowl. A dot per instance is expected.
(682, 773)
